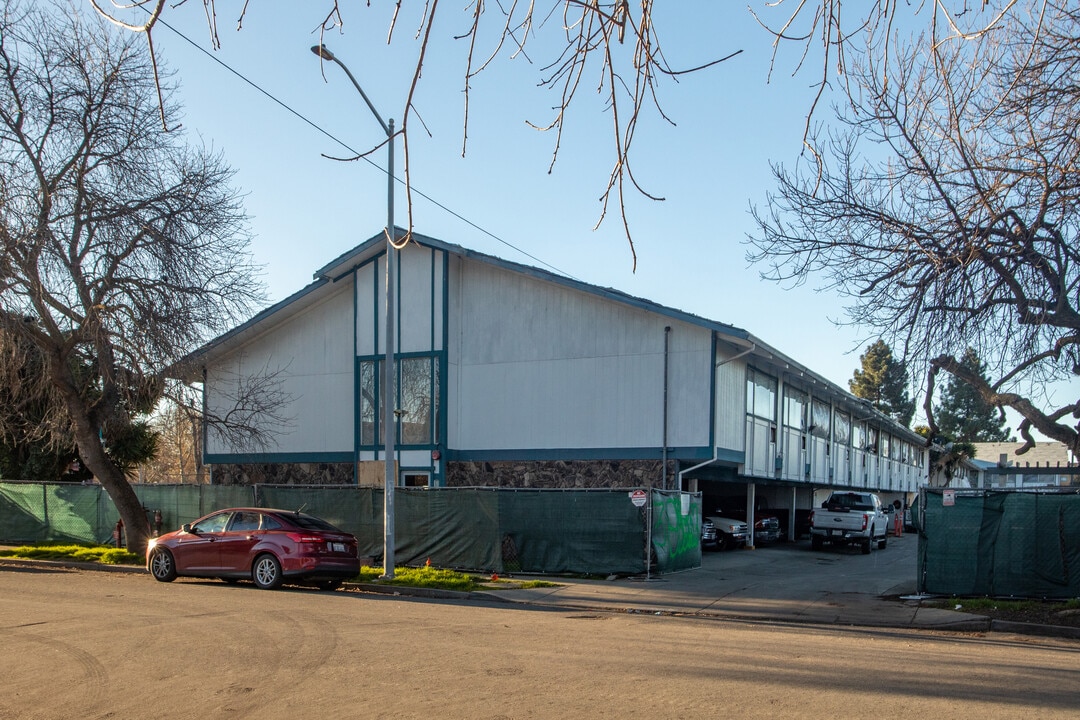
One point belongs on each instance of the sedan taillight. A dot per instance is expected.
(305, 539)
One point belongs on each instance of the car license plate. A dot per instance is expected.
(337, 547)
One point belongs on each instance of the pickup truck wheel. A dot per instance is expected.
(816, 542)
(868, 543)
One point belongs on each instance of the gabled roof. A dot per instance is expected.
(343, 266)
(346, 263)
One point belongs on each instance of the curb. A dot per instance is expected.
(1022, 628)
(75, 565)
(976, 623)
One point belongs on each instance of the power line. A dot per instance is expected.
(345, 145)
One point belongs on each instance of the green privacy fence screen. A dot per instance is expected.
(999, 544)
(487, 529)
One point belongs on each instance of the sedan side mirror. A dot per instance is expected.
(186, 527)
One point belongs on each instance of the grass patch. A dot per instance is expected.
(429, 577)
(975, 604)
(525, 585)
(81, 553)
(424, 577)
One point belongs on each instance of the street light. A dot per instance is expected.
(389, 374)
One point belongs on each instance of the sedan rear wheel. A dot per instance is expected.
(162, 565)
(266, 572)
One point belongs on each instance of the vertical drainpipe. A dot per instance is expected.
(667, 344)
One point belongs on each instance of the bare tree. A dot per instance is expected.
(946, 209)
(121, 248)
(175, 460)
(612, 48)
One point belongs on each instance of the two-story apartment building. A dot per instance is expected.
(513, 376)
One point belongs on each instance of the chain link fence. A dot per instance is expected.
(487, 529)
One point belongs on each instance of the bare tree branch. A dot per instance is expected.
(121, 248)
(945, 207)
(594, 34)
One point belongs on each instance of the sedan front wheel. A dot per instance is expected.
(162, 565)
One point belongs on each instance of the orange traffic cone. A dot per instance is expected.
(428, 563)
(494, 577)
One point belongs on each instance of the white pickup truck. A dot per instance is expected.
(850, 517)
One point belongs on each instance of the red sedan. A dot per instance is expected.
(266, 546)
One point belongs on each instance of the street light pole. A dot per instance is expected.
(389, 375)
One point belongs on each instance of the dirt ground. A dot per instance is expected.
(91, 644)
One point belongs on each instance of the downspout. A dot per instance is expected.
(664, 453)
(714, 458)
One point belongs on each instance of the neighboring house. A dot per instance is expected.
(513, 376)
(966, 474)
(1048, 464)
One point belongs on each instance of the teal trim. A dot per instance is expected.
(432, 300)
(205, 426)
(728, 455)
(634, 453)
(441, 430)
(356, 378)
(313, 457)
(377, 427)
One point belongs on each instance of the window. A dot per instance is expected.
(417, 393)
(760, 395)
(842, 428)
(819, 419)
(244, 522)
(212, 524)
(415, 479)
(368, 403)
(860, 438)
(795, 404)
(417, 379)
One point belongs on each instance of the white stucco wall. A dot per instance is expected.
(311, 352)
(536, 365)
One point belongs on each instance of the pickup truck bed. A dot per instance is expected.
(850, 518)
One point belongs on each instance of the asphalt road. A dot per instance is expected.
(90, 644)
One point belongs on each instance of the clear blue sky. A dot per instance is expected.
(306, 209)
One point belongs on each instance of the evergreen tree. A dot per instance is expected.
(962, 413)
(883, 380)
(29, 451)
